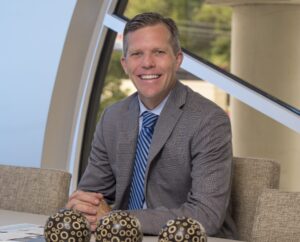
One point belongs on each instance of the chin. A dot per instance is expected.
(152, 95)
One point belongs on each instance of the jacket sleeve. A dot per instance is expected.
(98, 176)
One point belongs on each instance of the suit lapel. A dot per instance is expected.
(167, 121)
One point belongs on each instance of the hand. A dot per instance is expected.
(86, 203)
(103, 209)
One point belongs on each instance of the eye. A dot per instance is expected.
(136, 53)
(159, 52)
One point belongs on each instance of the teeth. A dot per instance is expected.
(147, 77)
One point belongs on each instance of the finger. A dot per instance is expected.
(80, 192)
(85, 208)
(93, 227)
(103, 209)
(70, 204)
(91, 219)
(74, 202)
(88, 197)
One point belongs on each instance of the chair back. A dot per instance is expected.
(250, 177)
(277, 217)
(33, 190)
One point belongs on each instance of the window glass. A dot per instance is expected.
(204, 30)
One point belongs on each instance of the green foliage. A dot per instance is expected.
(111, 90)
(220, 16)
(220, 52)
(220, 20)
(136, 6)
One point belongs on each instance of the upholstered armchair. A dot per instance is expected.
(250, 177)
(277, 217)
(33, 190)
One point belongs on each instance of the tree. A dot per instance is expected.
(220, 19)
(111, 90)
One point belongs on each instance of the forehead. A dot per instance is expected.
(152, 34)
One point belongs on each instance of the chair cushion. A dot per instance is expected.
(277, 217)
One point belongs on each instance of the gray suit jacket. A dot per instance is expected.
(189, 165)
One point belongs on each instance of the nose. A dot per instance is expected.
(148, 61)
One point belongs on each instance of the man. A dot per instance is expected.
(189, 162)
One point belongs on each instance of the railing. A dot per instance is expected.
(245, 92)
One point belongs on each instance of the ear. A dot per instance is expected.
(124, 64)
(179, 59)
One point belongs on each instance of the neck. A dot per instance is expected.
(150, 104)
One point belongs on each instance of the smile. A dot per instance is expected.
(149, 77)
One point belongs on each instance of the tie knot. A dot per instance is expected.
(149, 119)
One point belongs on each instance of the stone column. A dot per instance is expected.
(265, 52)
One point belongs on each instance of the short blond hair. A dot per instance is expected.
(149, 19)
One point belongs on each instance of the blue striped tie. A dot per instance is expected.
(137, 197)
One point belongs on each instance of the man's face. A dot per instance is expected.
(151, 63)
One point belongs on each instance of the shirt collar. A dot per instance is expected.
(157, 110)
